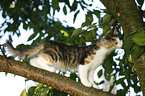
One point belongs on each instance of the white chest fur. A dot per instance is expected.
(99, 57)
(86, 71)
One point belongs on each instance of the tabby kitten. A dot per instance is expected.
(53, 55)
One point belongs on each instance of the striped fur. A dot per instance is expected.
(70, 56)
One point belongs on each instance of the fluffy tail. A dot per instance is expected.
(24, 52)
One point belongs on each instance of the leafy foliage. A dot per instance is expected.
(39, 16)
(138, 38)
(42, 90)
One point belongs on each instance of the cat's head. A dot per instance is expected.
(110, 43)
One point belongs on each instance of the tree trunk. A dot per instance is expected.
(128, 15)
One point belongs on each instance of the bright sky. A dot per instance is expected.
(11, 85)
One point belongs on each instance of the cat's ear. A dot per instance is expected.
(104, 41)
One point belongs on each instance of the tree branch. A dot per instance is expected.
(47, 78)
(126, 13)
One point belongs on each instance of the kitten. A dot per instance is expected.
(54, 55)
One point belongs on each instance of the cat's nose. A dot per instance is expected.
(120, 44)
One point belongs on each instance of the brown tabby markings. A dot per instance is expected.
(48, 57)
(89, 58)
(68, 56)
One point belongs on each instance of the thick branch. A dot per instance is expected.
(47, 78)
(129, 17)
(140, 69)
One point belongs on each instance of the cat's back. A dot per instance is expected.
(57, 46)
(70, 56)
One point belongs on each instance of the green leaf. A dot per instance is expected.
(113, 20)
(6, 72)
(89, 35)
(107, 18)
(75, 15)
(22, 46)
(107, 76)
(100, 73)
(82, 6)
(83, 1)
(121, 92)
(136, 88)
(25, 26)
(136, 51)
(120, 80)
(101, 82)
(108, 62)
(55, 5)
(66, 34)
(84, 24)
(128, 43)
(18, 33)
(31, 91)
(74, 6)
(106, 29)
(123, 84)
(38, 89)
(89, 18)
(10, 38)
(45, 91)
(143, 14)
(77, 31)
(23, 93)
(97, 13)
(32, 36)
(139, 38)
(64, 10)
(67, 2)
(140, 2)
(73, 76)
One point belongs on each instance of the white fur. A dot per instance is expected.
(86, 71)
(107, 84)
(40, 62)
(119, 45)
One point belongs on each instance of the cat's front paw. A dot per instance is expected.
(95, 86)
(87, 84)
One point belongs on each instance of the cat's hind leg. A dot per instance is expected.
(91, 77)
(42, 63)
(83, 73)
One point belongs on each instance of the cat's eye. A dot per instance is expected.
(116, 42)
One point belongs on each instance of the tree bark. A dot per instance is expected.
(47, 78)
(140, 69)
(128, 15)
